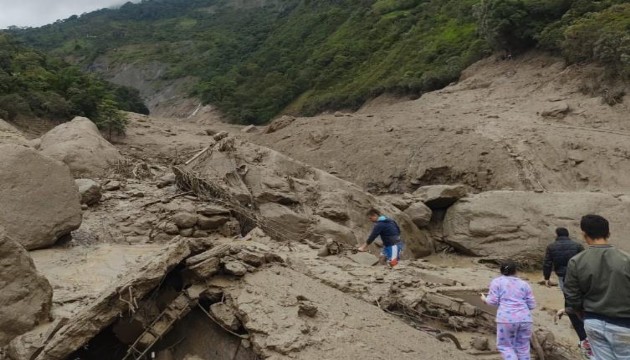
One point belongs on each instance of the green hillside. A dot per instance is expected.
(306, 56)
(33, 84)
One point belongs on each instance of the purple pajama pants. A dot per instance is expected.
(513, 340)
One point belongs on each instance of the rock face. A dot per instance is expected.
(40, 202)
(10, 135)
(420, 214)
(519, 225)
(26, 296)
(440, 196)
(279, 123)
(79, 145)
(292, 201)
(90, 191)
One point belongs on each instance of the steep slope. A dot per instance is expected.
(33, 84)
(255, 59)
(521, 124)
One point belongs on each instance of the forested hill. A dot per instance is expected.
(33, 84)
(257, 58)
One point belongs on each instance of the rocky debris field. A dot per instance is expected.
(188, 228)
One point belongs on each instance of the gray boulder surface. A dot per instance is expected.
(40, 201)
(79, 145)
(26, 296)
(520, 224)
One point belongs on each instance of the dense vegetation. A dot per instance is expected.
(36, 85)
(307, 56)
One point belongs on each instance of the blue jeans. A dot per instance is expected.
(608, 341)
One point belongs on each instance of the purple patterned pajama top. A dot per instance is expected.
(514, 298)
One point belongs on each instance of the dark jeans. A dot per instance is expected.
(576, 322)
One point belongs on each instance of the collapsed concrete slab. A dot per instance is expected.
(290, 200)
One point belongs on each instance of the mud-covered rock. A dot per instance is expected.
(26, 296)
(323, 229)
(225, 315)
(304, 198)
(39, 201)
(520, 224)
(440, 196)
(212, 222)
(278, 124)
(10, 135)
(420, 214)
(79, 145)
(235, 268)
(184, 220)
(90, 191)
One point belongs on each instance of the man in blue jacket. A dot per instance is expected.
(389, 232)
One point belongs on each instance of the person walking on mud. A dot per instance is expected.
(557, 258)
(597, 285)
(389, 232)
(515, 300)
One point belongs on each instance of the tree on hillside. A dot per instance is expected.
(110, 119)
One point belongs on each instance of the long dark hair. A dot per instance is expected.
(508, 268)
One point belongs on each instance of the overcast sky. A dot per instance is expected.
(42, 12)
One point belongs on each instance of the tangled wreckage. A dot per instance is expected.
(261, 291)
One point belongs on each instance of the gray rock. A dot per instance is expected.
(220, 135)
(279, 123)
(112, 185)
(225, 315)
(186, 232)
(212, 209)
(184, 220)
(170, 228)
(211, 223)
(520, 224)
(26, 296)
(166, 180)
(39, 201)
(79, 145)
(90, 191)
(420, 214)
(249, 129)
(557, 110)
(440, 196)
(235, 268)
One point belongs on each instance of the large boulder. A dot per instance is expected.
(79, 145)
(420, 214)
(39, 199)
(10, 135)
(520, 224)
(26, 296)
(440, 196)
(90, 191)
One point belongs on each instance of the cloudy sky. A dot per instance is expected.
(42, 12)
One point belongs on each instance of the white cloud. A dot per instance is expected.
(41, 12)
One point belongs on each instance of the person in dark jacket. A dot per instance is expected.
(597, 284)
(557, 258)
(558, 255)
(389, 232)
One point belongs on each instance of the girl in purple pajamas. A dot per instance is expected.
(515, 300)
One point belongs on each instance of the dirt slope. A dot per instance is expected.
(487, 131)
